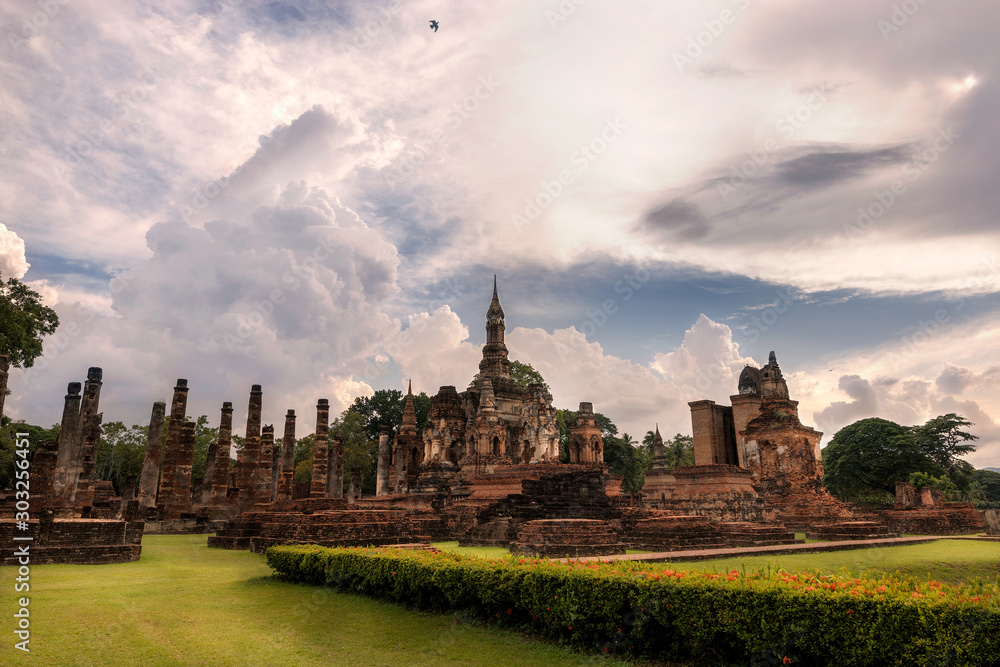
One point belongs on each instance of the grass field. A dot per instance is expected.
(951, 561)
(186, 604)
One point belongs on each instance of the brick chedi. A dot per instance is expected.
(504, 422)
(250, 454)
(287, 474)
(149, 479)
(756, 442)
(409, 446)
(320, 453)
(585, 444)
(220, 474)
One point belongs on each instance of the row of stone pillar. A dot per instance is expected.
(79, 435)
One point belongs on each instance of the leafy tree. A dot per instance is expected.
(624, 457)
(942, 484)
(360, 450)
(23, 323)
(385, 408)
(942, 441)
(120, 453)
(203, 438)
(870, 454)
(36, 434)
(303, 458)
(525, 374)
(679, 451)
(989, 482)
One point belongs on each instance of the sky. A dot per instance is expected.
(315, 196)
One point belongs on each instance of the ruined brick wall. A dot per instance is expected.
(220, 475)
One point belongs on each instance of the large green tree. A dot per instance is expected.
(871, 455)
(120, 453)
(942, 440)
(385, 408)
(24, 321)
(525, 374)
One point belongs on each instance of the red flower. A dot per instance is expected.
(571, 627)
(786, 660)
(509, 610)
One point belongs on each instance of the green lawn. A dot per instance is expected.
(186, 604)
(951, 561)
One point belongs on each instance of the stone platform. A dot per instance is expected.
(567, 538)
(334, 527)
(850, 530)
(74, 541)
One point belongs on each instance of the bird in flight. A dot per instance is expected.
(434, 26)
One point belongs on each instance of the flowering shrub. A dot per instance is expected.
(647, 609)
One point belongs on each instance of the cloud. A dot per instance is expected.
(12, 261)
(707, 364)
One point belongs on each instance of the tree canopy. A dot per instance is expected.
(871, 455)
(525, 374)
(385, 408)
(24, 320)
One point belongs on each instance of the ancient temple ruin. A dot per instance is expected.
(494, 419)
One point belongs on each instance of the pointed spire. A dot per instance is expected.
(772, 360)
(409, 413)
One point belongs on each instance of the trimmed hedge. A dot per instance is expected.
(641, 609)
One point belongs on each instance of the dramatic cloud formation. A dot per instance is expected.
(282, 192)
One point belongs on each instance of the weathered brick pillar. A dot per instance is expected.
(264, 464)
(179, 501)
(275, 470)
(150, 477)
(70, 443)
(84, 494)
(205, 495)
(399, 456)
(171, 448)
(354, 489)
(384, 462)
(220, 476)
(335, 480)
(79, 443)
(4, 375)
(703, 430)
(287, 459)
(251, 450)
(320, 457)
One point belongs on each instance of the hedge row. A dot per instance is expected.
(644, 610)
